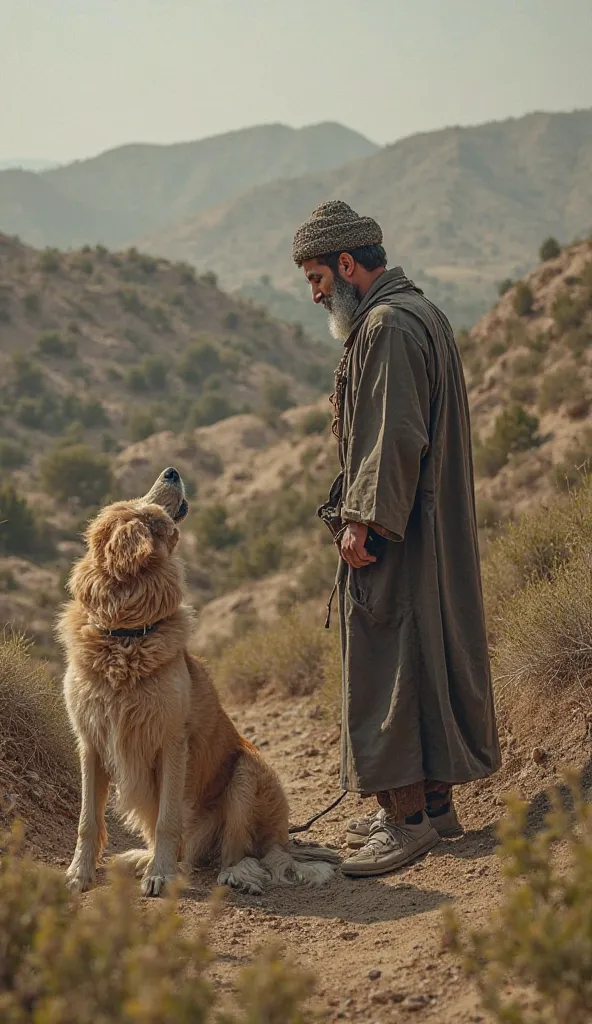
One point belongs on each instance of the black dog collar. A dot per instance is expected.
(140, 631)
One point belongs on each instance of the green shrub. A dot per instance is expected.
(567, 311)
(258, 558)
(579, 339)
(28, 376)
(52, 344)
(12, 454)
(531, 960)
(522, 390)
(315, 422)
(276, 396)
(496, 349)
(199, 360)
(527, 364)
(140, 425)
(212, 528)
(131, 301)
(84, 264)
(504, 286)
(515, 430)
(92, 413)
(523, 299)
(50, 261)
(110, 960)
(558, 387)
(150, 375)
(549, 250)
(19, 531)
(77, 471)
(210, 408)
(231, 320)
(186, 272)
(32, 302)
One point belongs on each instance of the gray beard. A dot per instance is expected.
(341, 307)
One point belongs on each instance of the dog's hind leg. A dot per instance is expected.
(92, 833)
(239, 869)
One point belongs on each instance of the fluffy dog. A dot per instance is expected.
(147, 718)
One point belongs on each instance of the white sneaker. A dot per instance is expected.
(391, 845)
(358, 829)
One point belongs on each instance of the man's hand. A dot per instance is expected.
(352, 546)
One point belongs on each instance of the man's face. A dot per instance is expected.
(338, 295)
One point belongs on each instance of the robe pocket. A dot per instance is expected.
(368, 589)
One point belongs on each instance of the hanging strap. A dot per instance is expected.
(315, 817)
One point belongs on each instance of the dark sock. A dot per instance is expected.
(414, 819)
(438, 811)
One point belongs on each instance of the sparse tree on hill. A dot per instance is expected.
(549, 250)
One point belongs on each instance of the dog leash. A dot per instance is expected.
(307, 824)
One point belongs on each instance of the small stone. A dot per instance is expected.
(413, 1003)
(374, 975)
(348, 936)
(539, 754)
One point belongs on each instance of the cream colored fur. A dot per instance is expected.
(148, 719)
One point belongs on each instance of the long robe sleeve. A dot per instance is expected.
(389, 432)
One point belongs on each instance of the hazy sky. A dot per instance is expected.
(81, 76)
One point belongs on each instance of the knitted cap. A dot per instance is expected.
(333, 227)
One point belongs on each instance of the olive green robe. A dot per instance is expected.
(417, 695)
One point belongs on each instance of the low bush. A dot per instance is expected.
(12, 454)
(315, 422)
(199, 360)
(34, 729)
(533, 549)
(515, 430)
(292, 654)
(32, 302)
(260, 556)
(210, 408)
(526, 364)
(140, 425)
(28, 377)
(549, 250)
(77, 471)
(276, 396)
(50, 261)
(212, 528)
(504, 286)
(562, 385)
(20, 531)
(52, 344)
(523, 299)
(109, 959)
(568, 311)
(531, 960)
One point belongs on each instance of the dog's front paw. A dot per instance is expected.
(154, 884)
(79, 878)
(227, 877)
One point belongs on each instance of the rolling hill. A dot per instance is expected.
(133, 189)
(460, 208)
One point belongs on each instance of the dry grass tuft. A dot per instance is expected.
(113, 959)
(531, 960)
(34, 729)
(293, 654)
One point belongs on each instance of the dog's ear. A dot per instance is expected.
(128, 548)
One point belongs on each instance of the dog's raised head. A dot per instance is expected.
(129, 576)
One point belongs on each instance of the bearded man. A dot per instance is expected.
(418, 715)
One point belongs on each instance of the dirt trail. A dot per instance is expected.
(374, 944)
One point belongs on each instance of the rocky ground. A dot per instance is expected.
(375, 945)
